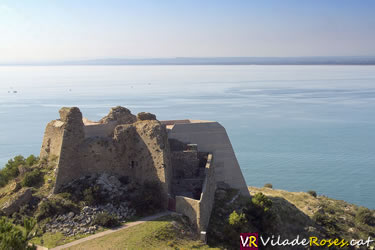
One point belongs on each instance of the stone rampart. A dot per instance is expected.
(135, 148)
(199, 211)
(211, 137)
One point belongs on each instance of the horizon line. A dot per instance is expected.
(244, 60)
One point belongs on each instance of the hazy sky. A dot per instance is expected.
(73, 29)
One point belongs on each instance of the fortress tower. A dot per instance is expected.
(187, 158)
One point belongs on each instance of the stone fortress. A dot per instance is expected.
(187, 158)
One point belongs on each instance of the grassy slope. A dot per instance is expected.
(299, 204)
(294, 213)
(165, 233)
(51, 240)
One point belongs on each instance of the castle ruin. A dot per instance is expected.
(187, 158)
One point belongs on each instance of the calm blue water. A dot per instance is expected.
(297, 127)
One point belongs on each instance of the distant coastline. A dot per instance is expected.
(318, 60)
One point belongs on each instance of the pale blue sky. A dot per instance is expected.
(72, 29)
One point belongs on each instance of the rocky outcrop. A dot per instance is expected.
(23, 197)
(143, 116)
(105, 188)
(107, 194)
(71, 224)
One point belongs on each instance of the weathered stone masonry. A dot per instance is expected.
(199, 211)
(147, 150)
(135, 148)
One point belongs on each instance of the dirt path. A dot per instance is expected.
(109, 231)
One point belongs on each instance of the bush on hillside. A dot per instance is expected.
(12, 237)
(312, 193)
(234, 225)
(52, 207)
(92, 196)
(268, 185)
(10, 171)
(262, 202)
(237, 220)
(328, 223)
(31, 160)
(32, 179)
(365, 216)
(258, 212)
(106, 220)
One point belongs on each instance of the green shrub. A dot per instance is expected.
(262, 201)
(32, 179)
(106, 220)
(88, 196)
(10, 171)
(52, 207)
(92, 195)
(66, 196)
(312, 193)
(364, 216)
(12, 237)
(268, 185)
(237, 220)
(329, 223)
(45, 209)
(258, 212)
(236, 223)
(31, 160)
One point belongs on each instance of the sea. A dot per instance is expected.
(298, 127)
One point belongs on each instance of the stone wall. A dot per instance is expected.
(211, 137)
(188, 207)
(185, 164)
(69, 165)
(100, 129)
(123, 144)
(188, 173)
(52, 139)
(199, 211)
(137, 148)
(208, 194)
(105, 127)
